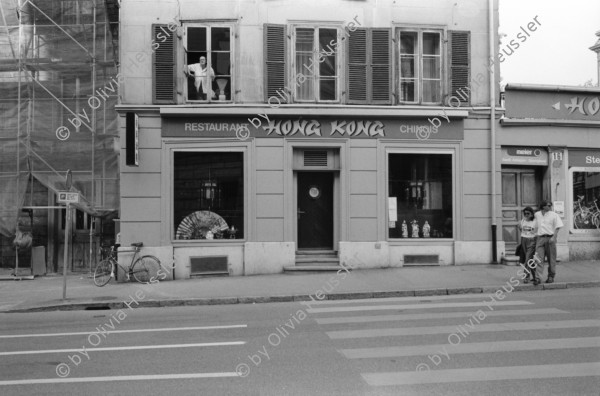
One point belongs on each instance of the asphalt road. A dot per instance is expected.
(527, 343)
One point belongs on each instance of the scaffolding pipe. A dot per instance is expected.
(94, 125)
(61, 103)
(7, 31)
(18, 146)
(58, 26)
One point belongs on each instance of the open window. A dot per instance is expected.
(208, 63)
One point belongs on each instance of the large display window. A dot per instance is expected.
(586, 200)
(420, 196)
(208, 195)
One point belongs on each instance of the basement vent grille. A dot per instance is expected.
(209, 265)
(315, 158)
(421, 259)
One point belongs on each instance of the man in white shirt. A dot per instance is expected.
(203, 78)
(548, 224)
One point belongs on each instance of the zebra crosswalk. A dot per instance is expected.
(451, 341)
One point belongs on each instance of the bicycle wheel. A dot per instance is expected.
(145, 268)
(596, 220)
(102, 273)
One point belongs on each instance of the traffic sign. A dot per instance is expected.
(67, 197)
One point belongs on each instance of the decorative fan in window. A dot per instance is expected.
(202, 224)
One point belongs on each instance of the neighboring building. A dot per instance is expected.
(57, 62)
(550, 139)
(327, 127)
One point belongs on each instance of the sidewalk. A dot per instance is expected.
(45, 293)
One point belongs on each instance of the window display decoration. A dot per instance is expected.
(415, 229)
(202, 224)
(232, 231)
(426, 229)
(209, 192)
(404, 229)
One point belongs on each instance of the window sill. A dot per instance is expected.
(420, 241)
(593, 236)
(315, 110)
(207, 242)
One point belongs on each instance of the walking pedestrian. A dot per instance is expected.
(548, 223)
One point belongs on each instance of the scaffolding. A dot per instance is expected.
(58, 91)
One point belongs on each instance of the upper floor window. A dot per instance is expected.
(77, 12)
(208, 63)
(304, 64)
(420, 66)
(316, 76)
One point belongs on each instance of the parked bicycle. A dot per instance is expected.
(583, 215)
(143, 269)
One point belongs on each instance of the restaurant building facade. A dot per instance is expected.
(350, 133)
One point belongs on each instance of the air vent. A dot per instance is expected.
(315, 158)
(421, 259)
(209, 265)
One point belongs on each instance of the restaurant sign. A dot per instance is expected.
(417, 129)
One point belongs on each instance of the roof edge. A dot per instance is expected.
(550, 88)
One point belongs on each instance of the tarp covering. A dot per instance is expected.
(58, 90)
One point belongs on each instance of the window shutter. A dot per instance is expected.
(381, 69)
(369, 66)
(164, 74)
(275, 50)
(460, 70)
(357, 80)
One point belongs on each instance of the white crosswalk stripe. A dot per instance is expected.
(473, 321)
(487, 374)
(439, 315)
(467, 329)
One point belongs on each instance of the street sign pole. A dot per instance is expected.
(66, 251)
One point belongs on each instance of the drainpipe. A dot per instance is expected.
(492, 37)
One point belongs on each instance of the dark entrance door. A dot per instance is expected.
(315, 210)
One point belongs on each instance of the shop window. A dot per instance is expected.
(420, 196)
(208, 195)
(208, 63)
(586, 201)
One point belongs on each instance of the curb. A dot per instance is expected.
(299, 297)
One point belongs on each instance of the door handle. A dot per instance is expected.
(301, 211)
